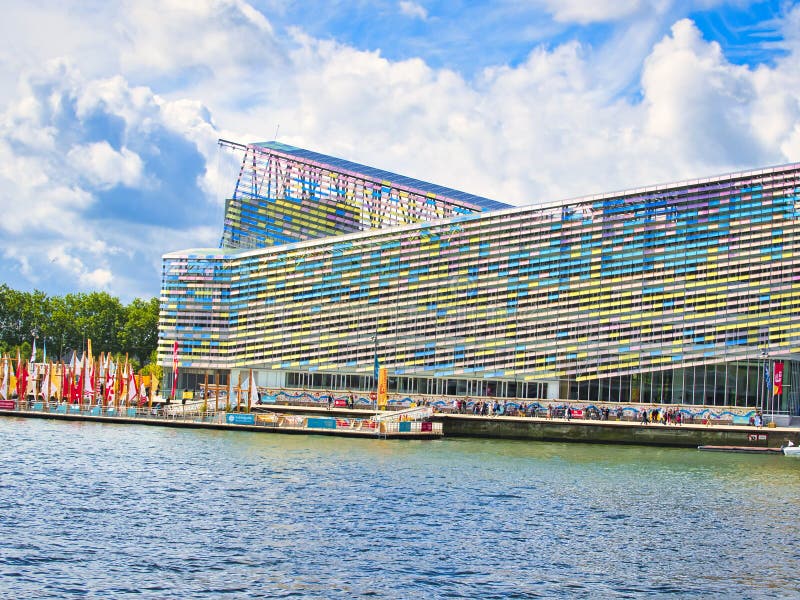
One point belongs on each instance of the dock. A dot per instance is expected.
(333, 423)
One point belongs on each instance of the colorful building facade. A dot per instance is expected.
(687, 293)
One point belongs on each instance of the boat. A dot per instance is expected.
(741, 449)
(791, 451)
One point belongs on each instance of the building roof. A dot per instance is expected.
(380, 175)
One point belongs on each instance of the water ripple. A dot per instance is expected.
(94, 511)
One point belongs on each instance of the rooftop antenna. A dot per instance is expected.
(276, 132)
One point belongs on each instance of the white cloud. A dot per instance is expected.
(413, 10)
(57, 179)
(143, 117)
(72, 266)
(97, 279)
(592, 11)
(104, 167)
(547, 128)
(225, 42)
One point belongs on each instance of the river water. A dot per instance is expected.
(116, 511)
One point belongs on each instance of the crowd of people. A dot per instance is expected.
(669, 416)
(664, 415)
(644, 416)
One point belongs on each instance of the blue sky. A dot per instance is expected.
(469, 36)
(110, 112)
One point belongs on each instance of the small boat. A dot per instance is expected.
(791, 451)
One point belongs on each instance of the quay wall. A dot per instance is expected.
(614, 432)
(498, 427)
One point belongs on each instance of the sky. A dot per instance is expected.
(110, 112)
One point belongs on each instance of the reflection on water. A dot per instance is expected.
(115, 511)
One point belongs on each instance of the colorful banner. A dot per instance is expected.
(777, 379)
(383, 387)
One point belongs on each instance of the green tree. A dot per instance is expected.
(101, 317)
(22, 315)
(65, 323)
(139, 334)
(155, 370)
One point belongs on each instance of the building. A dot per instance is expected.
(686, 293)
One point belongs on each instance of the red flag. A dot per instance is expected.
(79, 388)
(174, 369)
(777, 379)
(73, 388)
(18, 375)
(24, 379)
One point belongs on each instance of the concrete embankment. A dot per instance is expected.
(614, 432)
(457, 425)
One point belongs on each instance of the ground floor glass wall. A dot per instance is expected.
(743, 384)
(732, 384)
(419, 385)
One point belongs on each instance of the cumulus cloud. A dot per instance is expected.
(581, 11)
(85, 276)
(88, 167)
(546, 128)
(183, 46)
(105, 167)
(123, 151)
(413, 10)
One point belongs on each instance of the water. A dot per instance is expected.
(113, 511)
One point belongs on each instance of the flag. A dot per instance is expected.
(174, 369)
(377, 367)
(89, 385)
(132, 393)
(32, 367)
(44, 388)
(65, 386)
(44, 351)
(77, 390)
(110, 376)
(766, 375)
(4, 380)
(253, 388)
(49, 391)
(19, 377)
(777, 388)
(123, 382)
(383, 387)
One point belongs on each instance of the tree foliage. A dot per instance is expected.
(66, 322)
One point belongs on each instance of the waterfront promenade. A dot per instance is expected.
(369, 423)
